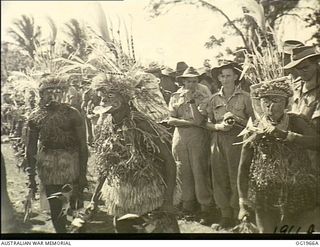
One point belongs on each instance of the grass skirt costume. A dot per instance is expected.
(281, 177)
(58, 156)
(129, 159)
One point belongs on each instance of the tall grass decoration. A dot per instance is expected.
(264, 63)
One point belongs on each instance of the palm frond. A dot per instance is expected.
(256, 11)
(53, 29)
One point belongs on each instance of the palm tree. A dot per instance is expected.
(26, 34)
(76, 38)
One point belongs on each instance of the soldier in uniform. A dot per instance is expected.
(306, 96)
(190, 142)
(306, 93)
(228, 112)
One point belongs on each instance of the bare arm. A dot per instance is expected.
(32, 147)
(80, 131)
(243, 170)
(31, 152)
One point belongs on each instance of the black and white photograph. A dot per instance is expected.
(160, 118)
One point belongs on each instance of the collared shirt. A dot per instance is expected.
(179, 107)
(306, 102)
(238, 103)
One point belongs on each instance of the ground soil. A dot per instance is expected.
(40, 221)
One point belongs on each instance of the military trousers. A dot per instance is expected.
(190, 148)
(225, 157)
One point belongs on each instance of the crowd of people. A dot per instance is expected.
(226, 151)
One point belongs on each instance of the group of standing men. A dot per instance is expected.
(207, 142)
(208, 116)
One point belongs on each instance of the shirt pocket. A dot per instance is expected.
(239, 107)
(219, 110)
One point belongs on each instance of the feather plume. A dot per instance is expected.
(102, 23)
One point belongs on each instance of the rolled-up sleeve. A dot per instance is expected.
(172, 109)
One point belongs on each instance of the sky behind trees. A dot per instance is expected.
(179, 35)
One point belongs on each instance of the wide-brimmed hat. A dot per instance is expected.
(229, 64)
(180, 68)
(289, 45)
(168, 72)
(203, 70)
(300, 54)
(190, 72)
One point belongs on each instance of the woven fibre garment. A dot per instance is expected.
(57, 166)
(129, 158)
(55, 128)
(288, 201)
(128, 150)
(281, 178)
(136, 198)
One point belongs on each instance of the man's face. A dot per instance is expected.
(190, 83)
(273, 106)
(112, 101)
(227, 77)
(307, 70)
(52, 95)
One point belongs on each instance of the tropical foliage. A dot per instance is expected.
(26, 34)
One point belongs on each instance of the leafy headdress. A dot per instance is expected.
(116, 70)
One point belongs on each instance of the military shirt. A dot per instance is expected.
(179, 107)
(306, 102)
(238, 104)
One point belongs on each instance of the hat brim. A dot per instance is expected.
(172, 74)
(187, 76)
(153, 70)
(292, 64)
(236, 66)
